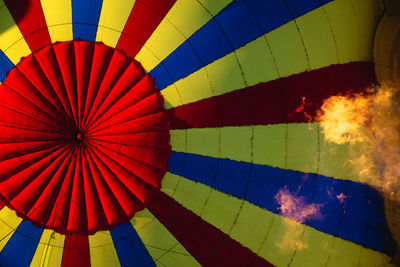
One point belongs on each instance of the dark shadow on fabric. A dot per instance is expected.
(5, 22)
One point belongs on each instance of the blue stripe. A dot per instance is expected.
(239, 23)
(85, 17)
(360, 218)
(21, 247)
(5, 66)
(130, 249)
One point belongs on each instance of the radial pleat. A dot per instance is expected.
(137, 171)
(85, 138)
(148, 106)
(147, 139)
(153, 122)
(26, 124)
(101, 60)
(27, 105)
(140, 91)
(68, 162)
(59, 216)
(83, 56)
(118, 205)
(18, 82)
(125, 84)
(13, 182)
(125, 196)
(32, 71)
(77, 218)
(65, 56)
(117, 66)
(13, 166)
(27, 193)
(48, 65)
(47, 196)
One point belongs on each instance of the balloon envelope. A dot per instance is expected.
(181, 133)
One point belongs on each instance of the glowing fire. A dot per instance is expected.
(301, 109)
(372, 119)
(297, 209)
(343, 116)
(342, 198)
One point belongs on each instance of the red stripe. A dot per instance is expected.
(143, 20)
(76, 251)
(207, 244)
(29, 17)
(278, 101)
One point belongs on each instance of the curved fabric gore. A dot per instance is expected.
(84, 138)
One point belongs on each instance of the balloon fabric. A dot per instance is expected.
(184, 133)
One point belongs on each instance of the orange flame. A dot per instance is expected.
(302, 109)
(344, 120)
(373, 119)
(341, 197)
(343, 116)
(297, 209)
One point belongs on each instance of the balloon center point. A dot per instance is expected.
(79, 137)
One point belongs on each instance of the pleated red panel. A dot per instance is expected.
(84, 138)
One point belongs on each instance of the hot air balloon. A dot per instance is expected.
(182, 133)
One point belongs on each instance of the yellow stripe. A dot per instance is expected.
(113, 17)
(281, 53)
(170, 183)
(49, 251)
(318, 39)
(353, 35)
(160, 243)
(184, 18)
(296, 146)
(102, 250)
(12, 42)
(58, 15)
(9, 222)
(277, 239)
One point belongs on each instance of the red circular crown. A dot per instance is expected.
(84, 137)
